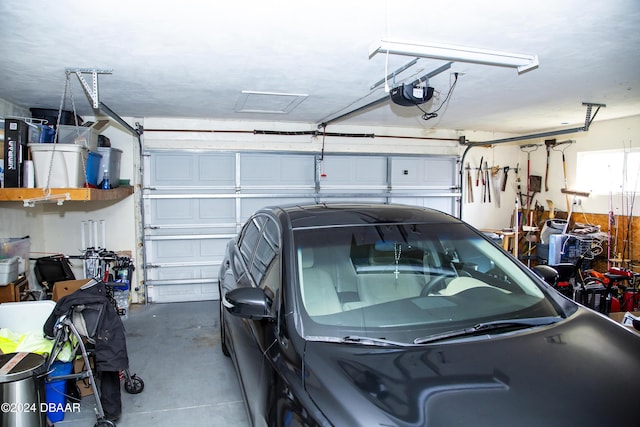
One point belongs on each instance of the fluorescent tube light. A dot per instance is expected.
(521, 62)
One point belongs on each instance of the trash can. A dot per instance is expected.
(56, 391)
(22, 392)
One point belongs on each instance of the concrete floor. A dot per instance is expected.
(175, 349)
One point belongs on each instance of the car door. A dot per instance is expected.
(257, 264)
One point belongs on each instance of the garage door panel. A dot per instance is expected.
(210, 272)
(192, 169)
(212, 249)
(353, 171)
(218, 210)
(172, 168)
(439, 172)
(443, 204)
(276, 169)
(173, 250)
(196, 201)
(251, 205)
(172, 210)
(195, 272)
(360, 199)
(197, 249)
(419, 171)
(179, 293)
(191, 211)
(216, 169)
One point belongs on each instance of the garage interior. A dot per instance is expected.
(520, 120)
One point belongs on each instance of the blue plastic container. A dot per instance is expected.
(55, 390)
(47, 134)
(93, 168)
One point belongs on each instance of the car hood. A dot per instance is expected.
(576, 372)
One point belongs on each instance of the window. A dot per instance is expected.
(608, 171)
(249, 241)
(266, 251)
(407, 280)
(259, 247)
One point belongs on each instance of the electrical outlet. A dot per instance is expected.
(578, 202)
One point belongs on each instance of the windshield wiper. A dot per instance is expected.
(354, 339)
(508, 324)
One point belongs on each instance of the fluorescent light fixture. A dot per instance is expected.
(521, 62)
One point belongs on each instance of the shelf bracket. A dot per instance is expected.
(589, 118)
(92, 91)
(58, 198)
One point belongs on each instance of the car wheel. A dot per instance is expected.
(223, 335)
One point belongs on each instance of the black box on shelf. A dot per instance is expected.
(16, 138)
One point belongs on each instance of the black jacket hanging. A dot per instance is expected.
(103, 325)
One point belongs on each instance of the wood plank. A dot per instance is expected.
(75, 194)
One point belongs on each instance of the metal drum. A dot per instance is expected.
(22, 391)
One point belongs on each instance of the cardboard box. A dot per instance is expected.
(67, 287)
(14, 291)
(84, 384)
(619, 315)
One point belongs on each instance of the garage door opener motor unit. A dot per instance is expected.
(411, 95)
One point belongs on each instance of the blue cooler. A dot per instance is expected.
(93, 169)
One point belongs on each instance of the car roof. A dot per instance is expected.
(342, 214)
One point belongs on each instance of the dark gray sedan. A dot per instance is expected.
(389, 315)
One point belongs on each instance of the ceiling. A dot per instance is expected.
(194, 59)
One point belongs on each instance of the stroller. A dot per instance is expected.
(87, 320)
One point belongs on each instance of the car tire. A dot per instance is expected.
(223, 334)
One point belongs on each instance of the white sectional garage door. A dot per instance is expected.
(195, 201)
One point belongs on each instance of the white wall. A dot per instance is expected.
(602, 135)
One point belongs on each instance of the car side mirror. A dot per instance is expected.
(250, 303)
(546, 273)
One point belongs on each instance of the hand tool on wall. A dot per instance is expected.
(505, 175)
(518, 182)
(484, 191)
(528, 148)
(486, 181)
(565, 145)
(469, 185)
(496, 184)
(535, 186)
(549, 143)
(479, 172)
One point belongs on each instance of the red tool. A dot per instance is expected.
(479, 172)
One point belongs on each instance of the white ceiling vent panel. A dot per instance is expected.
(268, 102)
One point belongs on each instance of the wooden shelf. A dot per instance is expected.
(78, 194)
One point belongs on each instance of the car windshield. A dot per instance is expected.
(407, 282)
